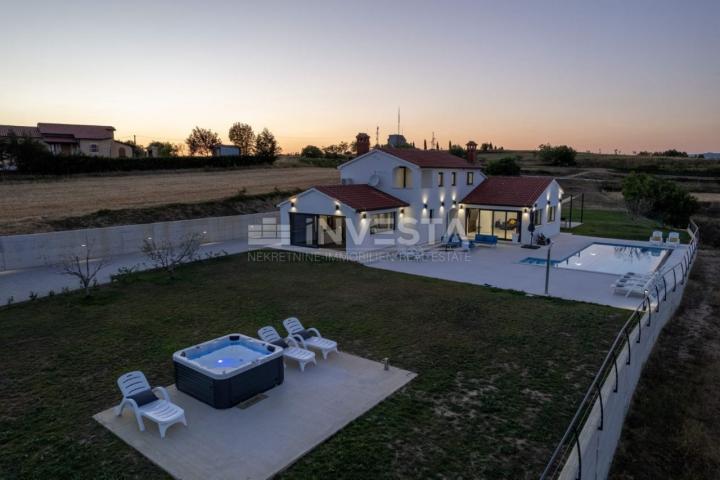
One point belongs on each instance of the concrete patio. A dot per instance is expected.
(264, 438)
(499, 267)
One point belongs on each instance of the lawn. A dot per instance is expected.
(500, 373)
(619, 224)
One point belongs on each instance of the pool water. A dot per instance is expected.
(610, 258)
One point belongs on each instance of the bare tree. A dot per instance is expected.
(168, 256)
(83, 267)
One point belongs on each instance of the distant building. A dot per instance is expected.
(397, 140)
(226, 151)
(67, 139)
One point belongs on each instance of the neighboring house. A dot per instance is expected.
(67, 139)
(226, 151)
(388, 194)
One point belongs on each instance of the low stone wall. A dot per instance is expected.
(41, 249)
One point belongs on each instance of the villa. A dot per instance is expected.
(396, 196)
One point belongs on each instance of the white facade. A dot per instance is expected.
(433, 196)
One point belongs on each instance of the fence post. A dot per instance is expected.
(665, 288)
(602, 407)
(617, 377)
(674, 279)
(627, 337)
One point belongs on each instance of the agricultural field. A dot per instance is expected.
(30, 206)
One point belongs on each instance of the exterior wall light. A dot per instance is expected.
(364, 215)
(454, 203)
(462, 206)
(337, 207)
(525, 210)
(548, 202)
(442, 204)
(402, 211)
(424, 206)
(292, 204)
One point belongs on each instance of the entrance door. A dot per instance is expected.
(303, 229)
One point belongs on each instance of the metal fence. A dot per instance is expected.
(597, 405)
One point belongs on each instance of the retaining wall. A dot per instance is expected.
(41, 249)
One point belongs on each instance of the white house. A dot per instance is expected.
(407, 196)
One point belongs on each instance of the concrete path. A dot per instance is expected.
(260, 440)
(18, 284)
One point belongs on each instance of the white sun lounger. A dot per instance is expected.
(309, 338)
(635, 285)
(290, 347)
(673, 239)
(656, 238)
(138, 395)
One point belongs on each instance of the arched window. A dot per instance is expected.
(402, 177)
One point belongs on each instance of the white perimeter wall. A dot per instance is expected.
(41, 249)
(597, 445)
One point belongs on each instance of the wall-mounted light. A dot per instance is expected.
(364, 215)
(424, 206)
(337, 207)
(442, 204)
(292, 204)
(462, 206)
(548, 202)
(454, 203)
(525, 210)
(402, 211)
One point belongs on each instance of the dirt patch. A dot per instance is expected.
(29, 206)
(672, 428)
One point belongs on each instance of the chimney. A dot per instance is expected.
(471, 150)
(363, 143)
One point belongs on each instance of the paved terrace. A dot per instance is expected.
(499, 267)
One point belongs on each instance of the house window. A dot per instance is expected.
(552, 212)
(441, 179)
(453, 179)
(470, 178)
(402, 177)
(537, 216)
(93, 148)
(382, 222)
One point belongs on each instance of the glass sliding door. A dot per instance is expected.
(501, 223)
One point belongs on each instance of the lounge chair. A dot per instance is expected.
(310, 337)
(290, 347)
(656, 238)
(483, 239)
(635, 284)
(673, 239)
(138, 395)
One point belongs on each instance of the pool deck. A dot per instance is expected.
(264, 438)
(500, 267)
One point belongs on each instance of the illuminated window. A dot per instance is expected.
(382, 222)
(453, 179)
(402, 177)
(470, 178)
(441, 179)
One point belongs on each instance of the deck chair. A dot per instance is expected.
(290, 347)
(656, 238)
(138, 395)
(309, 338)
(673, 239)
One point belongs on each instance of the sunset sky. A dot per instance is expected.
(626, 74)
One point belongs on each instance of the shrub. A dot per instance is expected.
(311, 151)
(503, 166)
(658, 198)
(560, 155)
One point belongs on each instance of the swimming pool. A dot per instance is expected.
(612, 258)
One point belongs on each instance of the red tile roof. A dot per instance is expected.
(84, 132)
(361, 197)
(430, 158)
(508, 191)
(19, 131)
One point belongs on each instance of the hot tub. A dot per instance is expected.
(228, 370)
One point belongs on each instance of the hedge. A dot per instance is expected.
(70, 164)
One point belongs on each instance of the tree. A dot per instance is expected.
(560, 155)
(503, 166)
(657, 198)
(83, 267)
(165, 149)
(266, 147)
(168, 256)
(22, 152)
(243, 137)
(336, 151)
(311, 151)
(202, 141)
(457, 150)
(424, 144)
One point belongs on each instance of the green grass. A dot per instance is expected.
(500, 373)
(619, 224)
